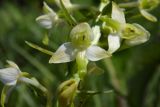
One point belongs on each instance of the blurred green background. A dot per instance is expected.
(137, 68)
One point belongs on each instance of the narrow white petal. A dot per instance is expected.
(96, 33)
(148, 16)
(117, 13)
(9, 76)
(44, 21)
(113, 43)
(34, 82)
(95, 53)
(65, 53)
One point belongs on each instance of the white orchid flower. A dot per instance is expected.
(132, 34)
(49, 18)
(83, 44)
(11, 76)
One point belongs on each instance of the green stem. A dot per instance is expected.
(82, 63)
(49, 100)
(129, 4)
(115, 82)
(90, 92)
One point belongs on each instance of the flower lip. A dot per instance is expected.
(82, 36)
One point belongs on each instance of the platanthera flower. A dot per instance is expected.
(11, 76)
(83, 44)
(147, 5)
(49, 19)
(131, 34)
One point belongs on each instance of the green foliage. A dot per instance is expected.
(135, 70)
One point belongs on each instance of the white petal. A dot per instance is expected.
(113, 43)
(96, 33)
(65, 53)
(117, 13)
(139, 39)
(9, 76)
(95, 53)
(44, 21)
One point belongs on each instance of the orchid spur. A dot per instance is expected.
(147, 5)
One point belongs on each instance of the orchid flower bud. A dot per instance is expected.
(67, 91)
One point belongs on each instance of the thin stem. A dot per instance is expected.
(90, 92)
(49, 100)
(129, 4)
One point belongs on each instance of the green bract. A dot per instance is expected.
(83, 40)
(66, 93)
(132, 34)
